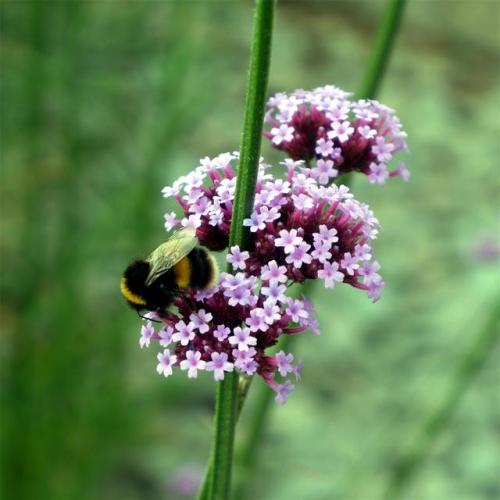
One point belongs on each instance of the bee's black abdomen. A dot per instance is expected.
(202, 268)
(154, 297)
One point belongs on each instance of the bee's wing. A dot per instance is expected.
(169, 253)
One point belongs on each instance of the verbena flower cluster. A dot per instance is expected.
(335, 135)
(300, 229)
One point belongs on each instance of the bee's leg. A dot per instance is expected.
(149, 319)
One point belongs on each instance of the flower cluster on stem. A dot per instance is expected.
(300, 229)
(335, 135)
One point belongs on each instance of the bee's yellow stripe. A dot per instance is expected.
(214, 271)
(182, 272)
(129, 295)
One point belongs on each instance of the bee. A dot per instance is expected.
(176, 265)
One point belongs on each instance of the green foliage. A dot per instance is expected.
(101, 107)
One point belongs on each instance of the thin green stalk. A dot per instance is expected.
(368, 89)
(244, 384)
(224, 424)
(439, 420)
(384, 42)
(251, 139)
(226, 406)
(247, 455)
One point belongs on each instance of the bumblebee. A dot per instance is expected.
(179, 263)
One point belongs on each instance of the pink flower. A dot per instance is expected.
(221, 332)
(201, 320)
(382, 149)
(147, 332)
(274, 292)
(256, 222)
(242, 338)
(193, 363)
(284, 363)
(378, 173)
(256, 321)
(349, 263)
(289, 240)
(296, 310)
(273, 273)
(165, 363)
(281, 134)
(300, 255)
(166, 335)
(341, 131)
(283, 391)
(237, 258)
(330, 274)
(324, 148)
(324, 171)
(219, 365)
(183, 332)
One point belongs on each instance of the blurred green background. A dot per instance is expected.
(105, 102)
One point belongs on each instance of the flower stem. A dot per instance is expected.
(224, 424)
(367, 90)
(470, 364)
(381, 53)
(218, 480)
(251, 139)
(242, 390)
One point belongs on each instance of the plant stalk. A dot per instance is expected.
(384, 42)
(218, 480)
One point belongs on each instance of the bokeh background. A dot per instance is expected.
(105, 102)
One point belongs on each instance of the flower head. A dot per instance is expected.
(336, 134)
(300, 229)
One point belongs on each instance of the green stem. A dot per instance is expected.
(247, 454)
(224, 424)
(217, 483)
(439, 420)
(244, 384)
(382, 50)
(251, 139)
(367, 90)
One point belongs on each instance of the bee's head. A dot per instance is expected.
(133, 283)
